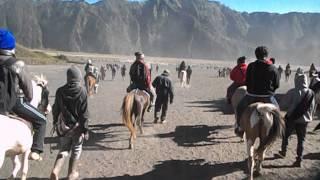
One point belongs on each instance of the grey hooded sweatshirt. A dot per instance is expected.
(297, 94)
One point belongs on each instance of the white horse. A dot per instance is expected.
(183, 78)
(19, 141)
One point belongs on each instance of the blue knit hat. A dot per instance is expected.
(7, 40)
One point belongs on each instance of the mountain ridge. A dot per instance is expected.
(169, 28)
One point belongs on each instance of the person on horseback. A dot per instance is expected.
(164, 90)
(182, 67)
(315, 82)
(312, 70)
(70, 109)
(262, 79)
(141, 78)
(300, 113)
(189, 72)
(89, 66)
(21, 96)
(238, 76)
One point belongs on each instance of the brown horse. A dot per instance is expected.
(134, 103)
(90, 82)
(263, 121)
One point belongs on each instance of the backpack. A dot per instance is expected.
(7, 86)
(137, 72)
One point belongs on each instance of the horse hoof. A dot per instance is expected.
(130, 146)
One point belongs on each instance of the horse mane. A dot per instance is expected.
(40, 79)
(277, 128)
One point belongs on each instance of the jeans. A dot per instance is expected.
(301, 130)
(26, 111)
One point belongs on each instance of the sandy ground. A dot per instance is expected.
(197, 143)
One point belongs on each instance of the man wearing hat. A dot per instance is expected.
(23, 92)
(141, 78)
(164, 90)
(71, 103)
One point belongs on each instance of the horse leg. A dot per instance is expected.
(259, 162)
(25, 165)
(16, 165)
(250, 150)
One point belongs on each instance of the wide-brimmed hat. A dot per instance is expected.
(166, 71)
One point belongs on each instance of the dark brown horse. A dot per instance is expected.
(134, 103)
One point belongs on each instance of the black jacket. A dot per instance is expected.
(138, 74)
(74, 98)
(163, 86)
(262, 78)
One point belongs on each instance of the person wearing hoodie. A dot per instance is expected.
(23, 88)
(71, 104)
(300, 112)
(238, 76)
(164, 90)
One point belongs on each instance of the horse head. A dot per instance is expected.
(41, 94)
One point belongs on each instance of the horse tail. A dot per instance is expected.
(276, 130)
(126, 111)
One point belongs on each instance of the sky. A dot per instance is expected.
(277, 6)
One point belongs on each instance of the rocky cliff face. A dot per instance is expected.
(176, 28)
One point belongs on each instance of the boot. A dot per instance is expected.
(73, 174)
(57, 167)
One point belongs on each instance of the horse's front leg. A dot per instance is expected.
(16, 165)
(250, 150)
(25, 165)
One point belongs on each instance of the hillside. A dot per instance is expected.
(170, 28)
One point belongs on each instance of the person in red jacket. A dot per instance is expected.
(238, 76)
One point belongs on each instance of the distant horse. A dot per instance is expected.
(183, 78)
(134, 103)
(263, 121)
(287, 73)
(90, 83)
(19, 141)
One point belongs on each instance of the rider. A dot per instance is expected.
(141, 78)
(238, 76)
(22, 82)
(312, 70)
(182, 67)
(89, 67)
(262, 79)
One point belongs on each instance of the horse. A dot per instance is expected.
(287, 73)
(134, 103)
(19, 141)
(90, 83)
(263, 121)
(238, 94)
(183, 78)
